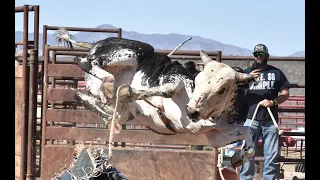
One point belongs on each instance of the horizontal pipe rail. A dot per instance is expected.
(71, 53)
(291, 106)
(116, 30)
(60, 48)
(230, 58)
(296, 98)
(296, 124)
(289, 133)
(21, 8)
(282, 159)
(281, 110)
(296, 86)
(156, 146)
(195, 58)
(272, 58)
(300, 96)
(291, 117)
(104, 30)
(187, 53)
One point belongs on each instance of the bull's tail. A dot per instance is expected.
(63, 36)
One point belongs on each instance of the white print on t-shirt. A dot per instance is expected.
(264, 83)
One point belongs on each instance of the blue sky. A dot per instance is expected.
(244, 23)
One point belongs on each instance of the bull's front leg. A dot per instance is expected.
(98, 76)
(107, 85)
(219, 138)
(94, 86)
(200, 126)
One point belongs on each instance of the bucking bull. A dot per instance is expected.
(162, 95)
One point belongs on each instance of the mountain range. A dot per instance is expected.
(158, 41)
(298, 54)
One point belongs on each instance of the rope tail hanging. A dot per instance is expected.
(113, 122)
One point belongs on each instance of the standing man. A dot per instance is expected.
(271, 89)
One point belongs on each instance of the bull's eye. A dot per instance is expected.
(221, 91)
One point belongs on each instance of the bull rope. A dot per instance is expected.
(270, 113)
(254, 116)
(220, 157)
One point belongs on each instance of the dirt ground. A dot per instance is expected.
(289, 169)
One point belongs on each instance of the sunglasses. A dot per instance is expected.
(261, 54)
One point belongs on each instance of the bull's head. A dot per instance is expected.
(215, 88)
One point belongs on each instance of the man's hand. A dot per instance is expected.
(255, 73)
(266, 103)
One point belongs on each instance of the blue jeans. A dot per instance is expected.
(270, 139)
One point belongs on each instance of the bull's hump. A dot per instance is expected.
(112, 45)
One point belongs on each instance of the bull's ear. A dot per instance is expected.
(205, 58)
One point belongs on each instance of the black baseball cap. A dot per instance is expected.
(260, 48)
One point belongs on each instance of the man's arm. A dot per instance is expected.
(283, 96)
(284, 90)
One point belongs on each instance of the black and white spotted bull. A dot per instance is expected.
(219, 94)
(159, 91)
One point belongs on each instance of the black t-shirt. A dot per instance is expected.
(268, 85)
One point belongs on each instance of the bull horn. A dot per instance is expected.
(205, 58)
(240, 77)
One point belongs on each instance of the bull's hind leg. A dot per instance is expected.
(93, 104)
(104, 111)
(219, 138)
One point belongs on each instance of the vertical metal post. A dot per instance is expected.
(36, 27)
(24, 91)
(219, 56)
(53, 85)
(123, 144)
(215, 155)
(120, 33)
(36, 23)
(44, 40)
(44, 102)
(41, 114)
(32, 120)
(74, 107)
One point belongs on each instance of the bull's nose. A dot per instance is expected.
(192, 114)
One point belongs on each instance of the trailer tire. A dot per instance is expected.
(300, 168)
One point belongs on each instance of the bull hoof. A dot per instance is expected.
(125, 94)
(108, 86)
(90, 103)
(109, 89)
(240, 157)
